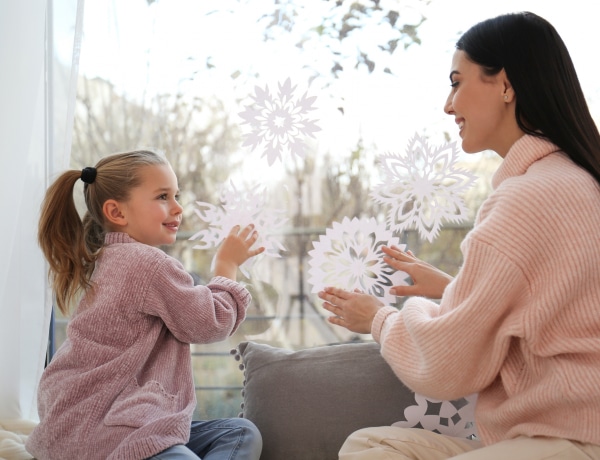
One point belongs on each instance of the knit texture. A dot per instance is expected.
(121, 385)
(520, 323)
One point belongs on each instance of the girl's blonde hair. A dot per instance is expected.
(72, 245)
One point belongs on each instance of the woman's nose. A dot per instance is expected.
(448, 106)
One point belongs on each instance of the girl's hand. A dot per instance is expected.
(353, 310)
(235, 250)
(428, 281)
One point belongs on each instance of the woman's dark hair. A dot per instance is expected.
(549, 99)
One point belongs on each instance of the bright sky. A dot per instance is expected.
(122, 40)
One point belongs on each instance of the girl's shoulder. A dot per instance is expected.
(133, 256)
(121, 243)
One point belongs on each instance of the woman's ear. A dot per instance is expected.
(112, 213)
(508, 93)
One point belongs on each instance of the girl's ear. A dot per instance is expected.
(112, 213)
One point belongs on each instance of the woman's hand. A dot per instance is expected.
(353, 310)
(428, 281)
(235, 250)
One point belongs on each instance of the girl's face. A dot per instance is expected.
(152, 213)
(483, 107)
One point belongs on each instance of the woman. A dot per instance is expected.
(520, 323)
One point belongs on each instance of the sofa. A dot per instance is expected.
(306, 402)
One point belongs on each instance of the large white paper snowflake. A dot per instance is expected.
(454, 418)
(279, 123)
(424, 188)
(241, 208)
(349, 256)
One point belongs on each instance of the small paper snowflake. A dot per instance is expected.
(239, 208)
(454, 418)
(279, 122)
(349, 256)
(423, 188)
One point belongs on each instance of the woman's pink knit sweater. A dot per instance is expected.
(121, 385)
(520, 323)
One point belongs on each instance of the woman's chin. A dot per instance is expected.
(470, 148)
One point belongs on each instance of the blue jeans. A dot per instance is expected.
(221, 439)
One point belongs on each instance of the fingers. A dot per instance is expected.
(248, 233)
(248, 230)
(352, 310)
(336, 310)
(332, 293)
(400, 260)
(337, 321)
(257, 251)
(332, 301)
(234, 230)
(398, 254)
(403, 291)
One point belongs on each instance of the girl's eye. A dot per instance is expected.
(177, 197)
(454, 84)
(162, 197)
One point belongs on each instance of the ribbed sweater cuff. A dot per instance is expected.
(379, 321)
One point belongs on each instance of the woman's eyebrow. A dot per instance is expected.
(452, 73)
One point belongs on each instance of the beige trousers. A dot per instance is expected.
(393, 443)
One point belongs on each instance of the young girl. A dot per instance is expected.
(519, 324)
(121, 385)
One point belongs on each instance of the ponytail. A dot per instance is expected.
(61, 238)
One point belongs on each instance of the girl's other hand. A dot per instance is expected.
(235, 249)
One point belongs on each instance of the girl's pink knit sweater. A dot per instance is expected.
(121, 385)
(520, 323)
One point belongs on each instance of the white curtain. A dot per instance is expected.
(39, 52)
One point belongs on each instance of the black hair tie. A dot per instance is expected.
(88, 175)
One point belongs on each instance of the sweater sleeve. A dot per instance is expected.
(457, 347)
(195, 314)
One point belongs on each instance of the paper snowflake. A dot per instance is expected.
(349, 256)
(240, 208)
(279, 122)
(454, 418)
(424, 188)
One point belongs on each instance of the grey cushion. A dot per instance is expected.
(307, 402)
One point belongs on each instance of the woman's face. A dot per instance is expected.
(483, 107)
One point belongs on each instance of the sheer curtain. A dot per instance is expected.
(39, 52)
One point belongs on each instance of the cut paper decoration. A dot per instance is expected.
(451, 418)
(241, 208)
(279, 123)
(349, 256)
(424, 188)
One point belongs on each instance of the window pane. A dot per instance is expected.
(281, 111)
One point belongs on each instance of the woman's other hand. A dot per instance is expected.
(353, 310)
(428, 281)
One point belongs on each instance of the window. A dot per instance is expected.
(287, 105)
